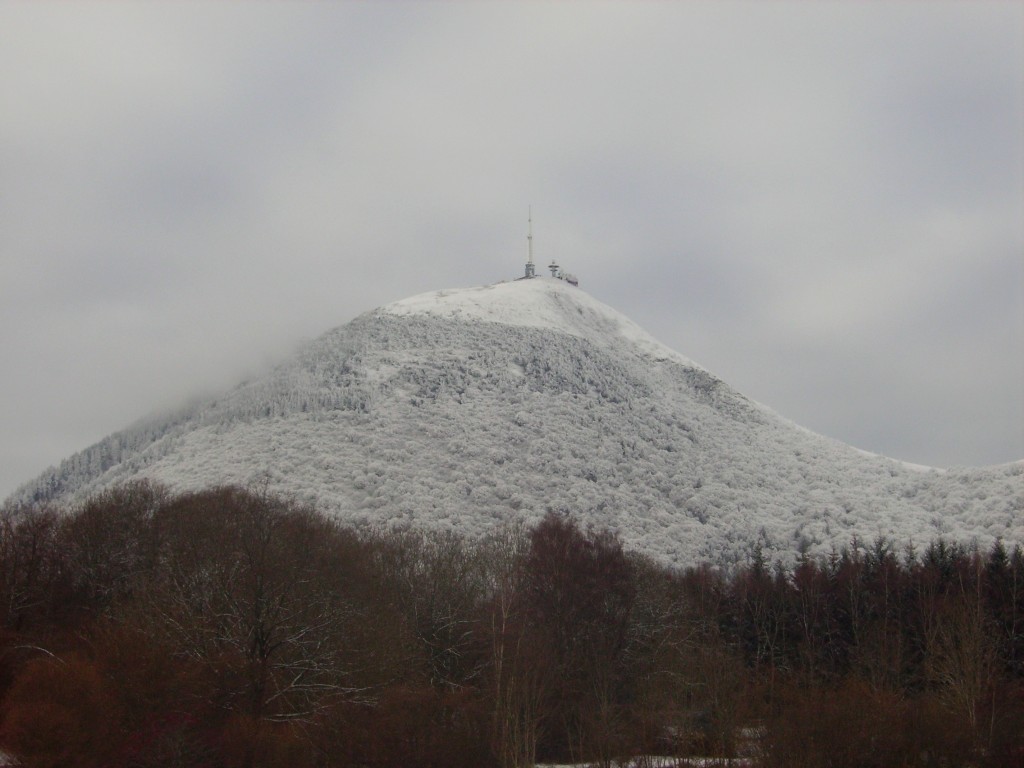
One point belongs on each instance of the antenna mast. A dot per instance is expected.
(529, 241)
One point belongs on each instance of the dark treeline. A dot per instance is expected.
(231, 628)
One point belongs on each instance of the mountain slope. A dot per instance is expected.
(460, 409)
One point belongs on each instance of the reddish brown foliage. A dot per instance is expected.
(227, 628)
(60, 713)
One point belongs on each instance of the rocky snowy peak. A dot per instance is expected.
(463, 409)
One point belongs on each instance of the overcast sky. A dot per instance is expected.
(822, 203)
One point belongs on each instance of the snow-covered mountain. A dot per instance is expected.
(461, 409)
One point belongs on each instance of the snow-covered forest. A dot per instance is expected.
(462, 410)
(232, 629)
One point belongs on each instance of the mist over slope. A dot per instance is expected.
(462, 409)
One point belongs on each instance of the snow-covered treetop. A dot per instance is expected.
(540, 302)
(462, 409)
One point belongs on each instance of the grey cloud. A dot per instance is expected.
(821, 203)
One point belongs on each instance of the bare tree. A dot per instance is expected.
(243, 590)
(34, 577)
(112, 539)
(963, 653)
(580, 591)
(518, 667)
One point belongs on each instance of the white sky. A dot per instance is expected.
(822, 203)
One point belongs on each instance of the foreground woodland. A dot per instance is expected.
(232, 628)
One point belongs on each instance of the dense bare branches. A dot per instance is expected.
(232, 628)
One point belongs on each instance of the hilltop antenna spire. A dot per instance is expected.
(529, 241)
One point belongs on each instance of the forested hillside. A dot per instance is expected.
(229, 627)
(456, 411)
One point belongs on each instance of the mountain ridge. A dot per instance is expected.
(461, 409)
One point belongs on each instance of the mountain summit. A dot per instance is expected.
(461, 409)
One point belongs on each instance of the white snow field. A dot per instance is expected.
(460, 409)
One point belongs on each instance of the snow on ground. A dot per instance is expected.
(540, 302)
(655, 761)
